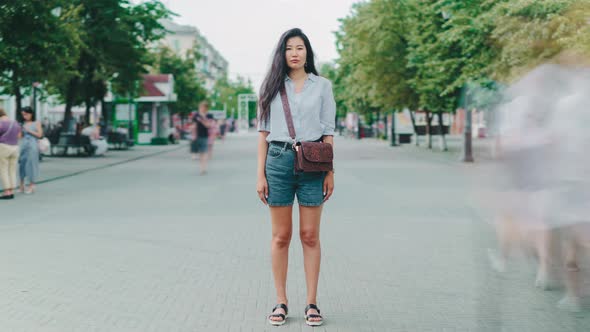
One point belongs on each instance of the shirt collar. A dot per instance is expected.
(310, 76)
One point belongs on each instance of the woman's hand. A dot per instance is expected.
(328, 185)
(262, 189)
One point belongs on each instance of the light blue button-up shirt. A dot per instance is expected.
(313, 111)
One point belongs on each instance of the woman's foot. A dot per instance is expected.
(279, 315)
(312, 315)
(30, 190)
(7, 196)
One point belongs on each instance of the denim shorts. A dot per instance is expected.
(200, 145)
(284, 183)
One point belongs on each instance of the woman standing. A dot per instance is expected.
(9, 134)
(29, 151)
(313, 111)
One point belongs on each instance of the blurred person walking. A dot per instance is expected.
(29, 151)
(311, 100)
(223, 129)
(213, 133)
(202, 121)
(10, 131)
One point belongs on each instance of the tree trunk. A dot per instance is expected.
(105, 115)
(18, 100)
(88, 104)
(414, 125)
(468, 149)
(442, 132)
(385, 126)
(70, 96)
(377, 125)
(429, 117)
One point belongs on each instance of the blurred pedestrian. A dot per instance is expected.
(223, 129)
(9, 150)
(213, 134)
(312, 103)
(202, 122)
(29, 151)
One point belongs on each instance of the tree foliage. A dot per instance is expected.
(76, 46)
(421, 53)
(36, 44)
(373, 46)
(187, 86)
(226, 91)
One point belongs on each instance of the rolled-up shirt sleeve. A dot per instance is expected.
(328, 111)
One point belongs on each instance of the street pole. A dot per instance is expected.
(393, 140)
(130, 123)
(468, 157)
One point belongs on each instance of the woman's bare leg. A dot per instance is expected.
(282, 229)
(309, 232)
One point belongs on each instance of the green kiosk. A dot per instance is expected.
(147, 117)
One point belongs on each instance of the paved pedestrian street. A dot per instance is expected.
(149, 245)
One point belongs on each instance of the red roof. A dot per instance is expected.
(149, 85)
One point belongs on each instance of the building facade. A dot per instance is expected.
(183, 39)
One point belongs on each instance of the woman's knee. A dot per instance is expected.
(309, 237)
(281, 239)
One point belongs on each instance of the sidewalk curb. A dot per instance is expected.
(61, 177)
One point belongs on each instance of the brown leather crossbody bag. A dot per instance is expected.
(309, 156)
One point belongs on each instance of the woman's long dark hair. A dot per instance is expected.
(275, 78)
(27, 109)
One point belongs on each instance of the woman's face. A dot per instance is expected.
(27, 116)
(296, 53)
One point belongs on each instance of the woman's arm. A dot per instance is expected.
(205, 121)
(328, 121)
(38, 132)
(329, 180)
(261, 184)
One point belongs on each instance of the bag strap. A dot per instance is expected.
(8, 130)
(287, 110)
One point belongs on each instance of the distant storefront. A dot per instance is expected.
(147, 117)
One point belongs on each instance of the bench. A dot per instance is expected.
(78, 142)
(119, 140)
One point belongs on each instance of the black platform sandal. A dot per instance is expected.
(284, 317)
(307, 317)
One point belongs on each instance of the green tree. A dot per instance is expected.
(187, 86)
(372, 73)
(116, 38)
(533, 32)
(332, 72)
(226, 91)
(38, 39)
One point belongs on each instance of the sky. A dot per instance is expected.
(245, 32)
